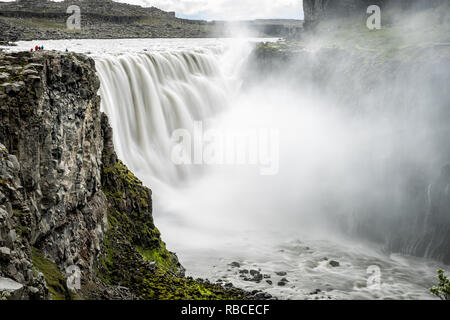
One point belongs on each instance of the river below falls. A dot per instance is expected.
(308, 267)
(284, 263)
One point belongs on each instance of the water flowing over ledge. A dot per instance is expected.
(149, 96)
(330, 179)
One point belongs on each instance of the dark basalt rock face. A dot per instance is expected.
(428, 234)
(65, 198)
(50, 127)
(316, 10)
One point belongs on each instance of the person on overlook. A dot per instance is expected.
(36, 48)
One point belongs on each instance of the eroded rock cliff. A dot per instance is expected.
(50, 122)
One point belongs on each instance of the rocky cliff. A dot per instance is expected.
(66, 201)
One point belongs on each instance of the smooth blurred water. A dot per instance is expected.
(214, 215)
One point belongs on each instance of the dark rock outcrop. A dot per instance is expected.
(51, 129)
(316, 10)
(17, 276)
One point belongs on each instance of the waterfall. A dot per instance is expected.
(330, 178)
(149, 95)
(360, 150)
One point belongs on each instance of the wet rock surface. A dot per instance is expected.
(17, 277)
(316, 10)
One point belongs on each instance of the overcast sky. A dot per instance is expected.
(227, 9)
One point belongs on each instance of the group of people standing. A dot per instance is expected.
(37, 48)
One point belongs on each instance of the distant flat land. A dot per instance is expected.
(106, 19)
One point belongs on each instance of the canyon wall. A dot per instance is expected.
(50, 125)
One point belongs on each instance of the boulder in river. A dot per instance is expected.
(334, 263)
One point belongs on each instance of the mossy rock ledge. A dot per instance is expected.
(134, 255)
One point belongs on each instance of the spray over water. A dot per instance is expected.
(359, 152)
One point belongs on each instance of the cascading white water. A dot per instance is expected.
(331, 160)
(233, 213)
(147, 96)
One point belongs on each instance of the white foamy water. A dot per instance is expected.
(214, 215)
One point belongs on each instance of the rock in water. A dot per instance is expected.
(334, 263)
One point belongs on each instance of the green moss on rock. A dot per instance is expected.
(134, 254)
(443, 289)
(162, 257)
(130, 215)
(56, 282)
